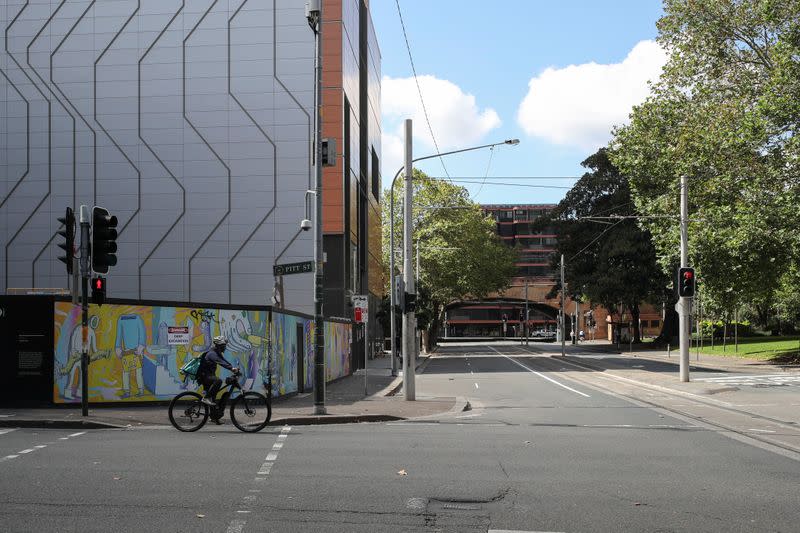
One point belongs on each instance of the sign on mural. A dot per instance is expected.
(178, 336)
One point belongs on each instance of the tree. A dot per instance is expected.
(460, 254)
(724, 114)
(608, 261)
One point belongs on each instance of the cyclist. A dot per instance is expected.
(207, 373)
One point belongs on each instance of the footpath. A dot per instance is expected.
(760, 388)
(345, 402)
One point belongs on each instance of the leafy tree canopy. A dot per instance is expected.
(723, 114)
(460, 254)
(610, 261)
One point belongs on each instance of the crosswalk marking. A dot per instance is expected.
(750, 380)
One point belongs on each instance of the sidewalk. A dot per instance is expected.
(702, 361)
(345, 402)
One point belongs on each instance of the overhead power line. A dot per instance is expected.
(419, 89)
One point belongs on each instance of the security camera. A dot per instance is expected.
(305, 224)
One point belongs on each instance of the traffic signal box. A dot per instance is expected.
(686, 282)
(104, 240)
(68, 233)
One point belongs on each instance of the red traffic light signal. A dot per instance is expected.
(686, 282)
(98, 290)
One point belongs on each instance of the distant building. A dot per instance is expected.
(503, 315)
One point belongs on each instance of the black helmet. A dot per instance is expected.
(220, 342)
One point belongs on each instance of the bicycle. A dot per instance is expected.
(250, 410)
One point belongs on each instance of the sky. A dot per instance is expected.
(557, 75)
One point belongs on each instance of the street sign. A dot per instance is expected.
(178, 335)
(360, 308)
(293, 268)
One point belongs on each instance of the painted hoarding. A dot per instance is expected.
(132, 358)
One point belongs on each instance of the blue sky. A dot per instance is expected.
(589, 61)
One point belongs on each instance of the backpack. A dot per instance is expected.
(192, 367)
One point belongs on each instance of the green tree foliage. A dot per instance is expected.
(724, 114)
(460, 254)
(608, 261)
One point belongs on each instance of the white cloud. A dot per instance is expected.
(456, 119)
(577, 105)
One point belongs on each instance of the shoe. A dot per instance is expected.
(208, 401)
(217, 421)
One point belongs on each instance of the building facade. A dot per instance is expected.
(193, 123)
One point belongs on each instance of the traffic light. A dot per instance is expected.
(328, 152)
(410, 302)
(686, 282)
(104, 240)
(98, 290)
(68, 220)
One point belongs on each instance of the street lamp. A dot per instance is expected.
(510, 142)
(314, 16)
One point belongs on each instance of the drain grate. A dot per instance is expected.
(461, 507)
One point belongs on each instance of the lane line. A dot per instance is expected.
(476, 386)
(78, 434)
(237, 525)
(27, 450)
(540, 374)
(4, 431)
(8, 458)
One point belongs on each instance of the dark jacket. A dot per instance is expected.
(212, 358)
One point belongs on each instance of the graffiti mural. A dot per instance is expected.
(338, 339)
(287, 354)
(136, 350)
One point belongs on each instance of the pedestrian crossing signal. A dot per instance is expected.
(98, 290)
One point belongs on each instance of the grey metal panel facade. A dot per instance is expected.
(191, 121)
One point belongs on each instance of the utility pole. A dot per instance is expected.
(561, 322)
(314, 15)
(409, 349)
(685, 303)
(576, 325)
(527, 318)
(85, 219)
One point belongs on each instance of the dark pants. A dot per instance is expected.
(210, 383)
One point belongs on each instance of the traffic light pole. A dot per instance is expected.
(409, 326)
(85, 225)
(685, 304)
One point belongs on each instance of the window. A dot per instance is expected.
(376, 175)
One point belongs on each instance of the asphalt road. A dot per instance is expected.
(542, 450)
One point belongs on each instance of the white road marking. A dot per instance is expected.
(237, 525)
(470, 416)
(78, 434)
(8, 457)
(541, 375)
(27, 450)
(760, 430)
(4, 431)
(40, 446)
(476, 386)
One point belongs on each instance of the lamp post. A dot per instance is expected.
(511, 142)
(314, 16)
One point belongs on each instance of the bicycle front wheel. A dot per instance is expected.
(251, 411)
(187, 412)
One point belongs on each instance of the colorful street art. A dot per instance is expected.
(338, 339)
(133, 357)
(287, 354)
(136, 350)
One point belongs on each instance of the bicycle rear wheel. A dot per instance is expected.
(187, 412)
(251, 411)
